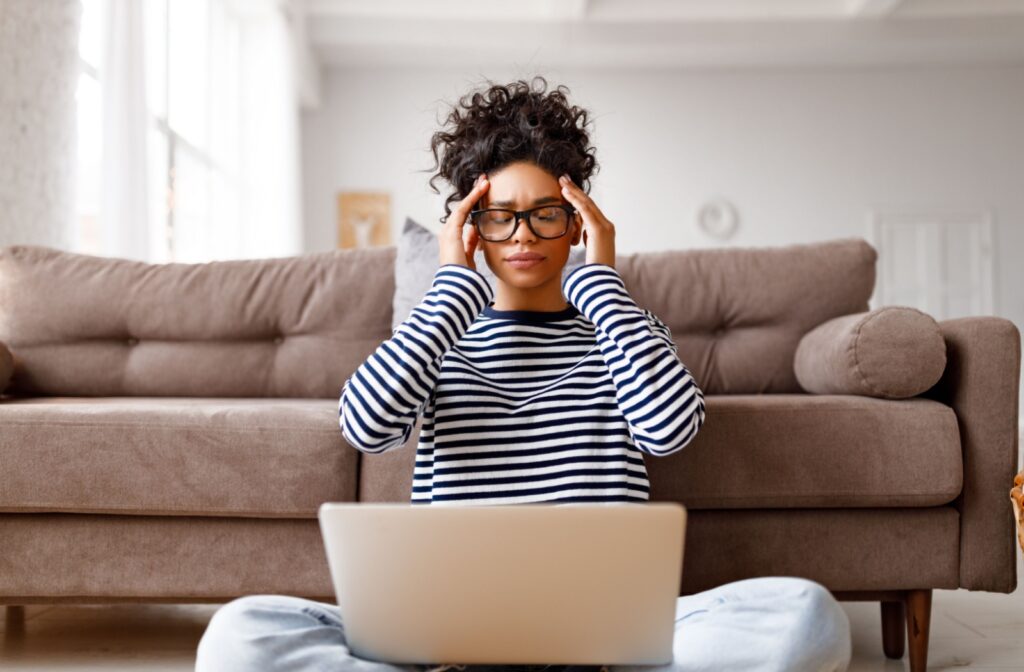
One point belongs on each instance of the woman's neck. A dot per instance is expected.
(546, 296)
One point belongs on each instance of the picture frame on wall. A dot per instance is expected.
(364, 219)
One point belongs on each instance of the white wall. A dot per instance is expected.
(38, 78)
(802, 153)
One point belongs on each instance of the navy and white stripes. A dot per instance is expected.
(380, 403)
(660, 400)
(525, 406)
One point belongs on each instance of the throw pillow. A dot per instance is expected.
(892, 352)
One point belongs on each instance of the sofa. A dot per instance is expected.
(170, 430)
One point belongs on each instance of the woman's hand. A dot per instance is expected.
(598, 232)
(458, 245)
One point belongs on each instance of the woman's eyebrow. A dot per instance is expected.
(539, 201)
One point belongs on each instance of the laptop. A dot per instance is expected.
(576, 583)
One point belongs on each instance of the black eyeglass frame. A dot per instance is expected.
(520, 214)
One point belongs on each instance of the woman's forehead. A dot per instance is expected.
(522, 185)
(523, 201)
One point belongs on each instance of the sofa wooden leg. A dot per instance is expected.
(893, 627)
(14, 615)
(919, 614)
(14, 628)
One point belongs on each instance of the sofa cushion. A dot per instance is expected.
(284, 457)
(781, 451)
(299, 326)
(85, 325)
(892, 352)
(272, 458)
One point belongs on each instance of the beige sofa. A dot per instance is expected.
(169, 431)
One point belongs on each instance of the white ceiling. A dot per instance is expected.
(660, 33)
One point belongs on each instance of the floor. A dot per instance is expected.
(980, 630)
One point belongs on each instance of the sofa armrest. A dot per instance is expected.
(6, 366)
(981, 384)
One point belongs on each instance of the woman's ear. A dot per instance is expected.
(577, 231)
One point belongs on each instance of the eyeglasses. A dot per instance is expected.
(546, 221)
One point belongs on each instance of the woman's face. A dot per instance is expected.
(521, 186)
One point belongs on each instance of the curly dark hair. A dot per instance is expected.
(509, 123)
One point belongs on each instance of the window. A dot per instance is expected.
(192, 148)
(192, 49)
(90, 129)
(939, 262)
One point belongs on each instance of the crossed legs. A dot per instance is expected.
(762, 624)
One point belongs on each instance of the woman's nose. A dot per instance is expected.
(522, 231)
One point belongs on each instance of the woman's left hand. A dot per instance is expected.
(598, 232)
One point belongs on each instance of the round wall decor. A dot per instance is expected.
(718, 218)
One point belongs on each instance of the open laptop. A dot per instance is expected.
(577, 583)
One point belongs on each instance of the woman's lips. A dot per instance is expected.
(525, 263)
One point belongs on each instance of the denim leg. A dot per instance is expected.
(281, 633)
(762, 624)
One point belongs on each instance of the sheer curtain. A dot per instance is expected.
(201, 131)
(123, 189)
(270, 128)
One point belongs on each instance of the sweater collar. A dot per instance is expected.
(531, 316)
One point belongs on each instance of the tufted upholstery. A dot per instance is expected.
(738, 314)
(298, 326)
(280, 327)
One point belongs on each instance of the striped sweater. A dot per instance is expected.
(524, 406)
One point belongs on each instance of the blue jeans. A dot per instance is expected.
(762, 624)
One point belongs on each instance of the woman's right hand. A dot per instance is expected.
(457, 245)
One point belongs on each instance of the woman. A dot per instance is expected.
(544, 389)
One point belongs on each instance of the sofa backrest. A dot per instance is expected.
(279, 327)
(738, 314)
(83, 325)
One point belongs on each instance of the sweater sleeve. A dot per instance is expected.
(382, 399)
(660, 400)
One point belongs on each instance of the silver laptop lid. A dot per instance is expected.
(573, 583)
